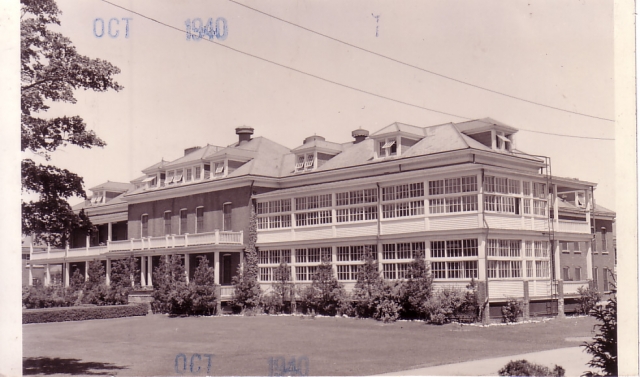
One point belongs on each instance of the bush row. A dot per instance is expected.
(80, 313)
(372, 296)
(93, 290)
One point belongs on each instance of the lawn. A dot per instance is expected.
(244, 345)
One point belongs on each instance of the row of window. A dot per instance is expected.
(167, 219)
(504, 269)
(512, 248)
(195, 173)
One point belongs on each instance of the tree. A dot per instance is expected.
(246, 289)
(325, 292)
(416, 289)
(370, 289)
(125, 275)
(171, 292)
(95, 290)
(203, 289)
(51, 69)
(604, 346)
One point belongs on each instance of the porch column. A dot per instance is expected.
(216, 265)
(143, 271)
(108, 272)
(30, 282)
(47, 275)
(86, 270)
(149, 270)
(109, 231)
(66, 274)
(88, 242)
(186, 266)
(560, 298)
(555, 207)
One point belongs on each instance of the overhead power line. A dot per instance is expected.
(419, 68)
(331, 81)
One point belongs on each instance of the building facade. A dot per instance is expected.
(461, 195)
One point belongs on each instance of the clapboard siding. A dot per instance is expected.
(453, 222)
(314, 234)
(503, 222)
(355, 230)
(502, 289)
(402, 226)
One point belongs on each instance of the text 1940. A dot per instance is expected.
(196, 29)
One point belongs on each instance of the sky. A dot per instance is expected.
(180, 93)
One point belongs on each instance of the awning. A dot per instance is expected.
(388, 144)
(149, 179)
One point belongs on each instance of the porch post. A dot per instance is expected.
(109, 231)
(216, 265)
(30, 282)
(47, 275)
(86, 270)
(186, 266)
(149, 270)
(143, 271)
(88, 242)
(108, 272)
(66, 274)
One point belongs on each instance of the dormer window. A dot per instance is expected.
(178, 176)
(207, 171)
(305, 162)
(169, 177)
(388, 147)
(503, 142)
(219, 169)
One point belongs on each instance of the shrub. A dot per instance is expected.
(387, 311)
(246, 292)
(588, 299)
(171, 293)
(121, 282)
(272, 303)
(446, 305)
(47, 297)
(202, 289)
(526, 368)
(512, 310)
(94, 290)
(604, 346)
(370, 289)
(325, 292)
(416, 289)
(82, 313)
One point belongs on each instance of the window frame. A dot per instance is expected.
(182, 224)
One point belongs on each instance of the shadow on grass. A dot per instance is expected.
(47, 365)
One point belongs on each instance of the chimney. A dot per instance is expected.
(244, 133)
(359, 135)
(189, 150)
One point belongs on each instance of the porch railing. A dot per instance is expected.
(164, 242)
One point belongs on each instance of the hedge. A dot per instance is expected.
(81, 313)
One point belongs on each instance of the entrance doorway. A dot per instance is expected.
(226, 269)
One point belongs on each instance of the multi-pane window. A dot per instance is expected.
(455, 269)
(526, 188)
(503, 248)
(541, 249)
(387, 147)
(564, 246)
(219, 169)
(539, 190)
(226, 217)
(144, 220)
(267, 273)
(269, 216)
(526, 206)
(347, 272)
(183, 221)
(454, 248)
(198, 172)
(529, 268)
(603, 234)
(542, 268)
(528, 249)
(502, 204)
(503, 269)
(199, 219)
(395, 270)
(452, 204)
(315, 217)
(178, 176)
(404, 250)
(274, 256)
(305, 162)
(305, 273)
(566, 274)
(189, 175)
(313, 255)
(357, 211)
(405, 206)
(578, 274)
(502, 201)
(539, 207)
(355, 253)
(577, 247)
(167, 222)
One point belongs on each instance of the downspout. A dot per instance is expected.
(486, 255)
(379, 213)
(593, 233)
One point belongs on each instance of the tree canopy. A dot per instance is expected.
(51, 69)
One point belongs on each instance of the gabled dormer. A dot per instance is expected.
(491, 133)
(395, 139)
(103, 193)
(314, 152)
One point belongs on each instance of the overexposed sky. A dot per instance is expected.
(181, 93)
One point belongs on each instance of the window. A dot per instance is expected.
(313, 255)
(219, 172)
(603, 233)
(189, 175)
(199, 219)
(305, 273)
(178, 177)
(267, 273)
(207, 171)
(542, 268)
(566, 276)
(504, 269)
(453, 185)
(167, 222)
(564, 246)
(454, 270)
(406, 250)
(595, 277)
(529, 268)
(605, 278)
(274, 256)
(541, 249)
(265, 211)
(347, 272)
(526, 188)
(539, 190)
(526, 205)
(356, 253)
(315, 217)
(539, 207)
(145, 226)
(528, 249)
(438, 270)
(356, 198)
(577, 274)
(577, 247)
(169, 177)
(503, 248)
(388, 147)
(198, 172)
(305, 162)
(183, 221)
(226, 215)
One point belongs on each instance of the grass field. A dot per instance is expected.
(243, 345)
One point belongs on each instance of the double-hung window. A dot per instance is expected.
(451, 195)
(183, 221)
(403, 200)
(388, 147)
(358, 205)
(454, 259)
(167, 222)
(313, 210)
